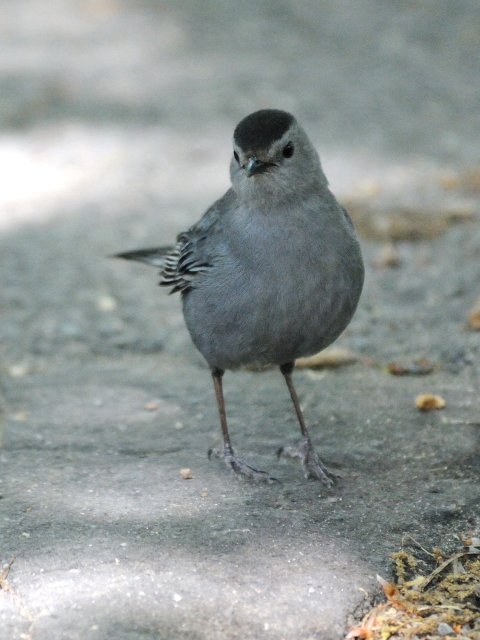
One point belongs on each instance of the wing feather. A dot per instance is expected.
(192, 255)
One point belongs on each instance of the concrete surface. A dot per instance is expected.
(116, 122)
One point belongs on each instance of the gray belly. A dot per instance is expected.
(276, 311)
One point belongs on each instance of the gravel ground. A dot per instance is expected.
(116, 119)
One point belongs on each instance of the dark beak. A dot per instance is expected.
(254, 166)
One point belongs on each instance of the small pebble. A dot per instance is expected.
(186, 474)
(473, 542)
(106, 303)
(19, 370)
(445, 629)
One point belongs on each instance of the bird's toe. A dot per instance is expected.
(312, 465)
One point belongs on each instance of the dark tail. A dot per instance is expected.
(154, 257)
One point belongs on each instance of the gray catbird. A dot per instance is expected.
(272, 271)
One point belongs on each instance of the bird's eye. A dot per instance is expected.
(235, 155)
(288, 150)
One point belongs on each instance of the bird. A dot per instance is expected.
(272, 272)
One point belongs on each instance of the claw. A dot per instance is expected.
(312, 465)
(242, 469)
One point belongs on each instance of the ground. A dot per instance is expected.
(116, 122)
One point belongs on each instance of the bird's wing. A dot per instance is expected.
(182, 264)
(348, 218)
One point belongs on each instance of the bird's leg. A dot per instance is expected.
(240, 467)
(311, 463)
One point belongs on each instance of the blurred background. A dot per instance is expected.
(116, 118)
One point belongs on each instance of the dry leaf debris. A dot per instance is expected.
(375, 221)
(332, 357)
(421, 367)
(3, 576)
(474, 317)
(429, 402)
(444, 604)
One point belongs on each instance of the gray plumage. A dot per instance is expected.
(273, 270)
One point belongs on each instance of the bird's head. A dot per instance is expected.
(273, 158)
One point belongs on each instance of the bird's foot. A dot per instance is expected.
(312, 465)
(243, 470)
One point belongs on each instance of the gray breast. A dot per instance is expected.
(280, 287)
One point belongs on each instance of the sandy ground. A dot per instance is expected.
(116, 119)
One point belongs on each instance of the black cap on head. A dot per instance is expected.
(260, 129)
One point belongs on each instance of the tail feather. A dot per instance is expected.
(154, 257)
